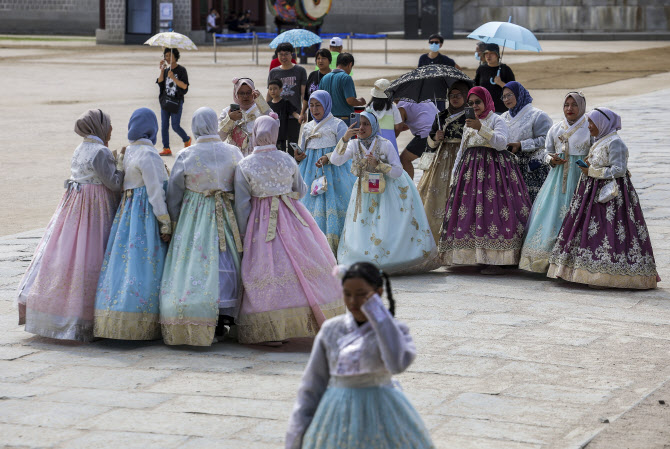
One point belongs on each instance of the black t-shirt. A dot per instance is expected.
(169, 88)
(284, 110)
(484, 76)
(313, 81)
(441, 59)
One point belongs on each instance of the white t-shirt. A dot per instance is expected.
(211, 21)
(394, 112)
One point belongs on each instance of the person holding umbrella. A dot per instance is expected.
(493, 76)
(172, 85)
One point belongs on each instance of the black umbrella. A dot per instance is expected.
(430, 82)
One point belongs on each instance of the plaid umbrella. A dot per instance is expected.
(430, 82)
(297, 38)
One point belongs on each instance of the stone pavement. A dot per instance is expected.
(511, 362)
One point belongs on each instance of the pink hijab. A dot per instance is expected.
(605, 120)
(238, 83)
(266, 131)
(484, 94)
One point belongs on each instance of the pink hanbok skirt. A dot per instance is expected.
(289, 289)
(57, 293)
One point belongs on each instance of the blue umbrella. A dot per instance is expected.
(297, 38)
(506, 34)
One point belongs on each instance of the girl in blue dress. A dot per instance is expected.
(126, 300)
(319, 137)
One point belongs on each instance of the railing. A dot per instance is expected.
(254, 37)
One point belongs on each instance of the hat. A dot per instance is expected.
(492, 48)
(336, 42)
(379, 90)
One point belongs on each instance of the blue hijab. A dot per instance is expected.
(143, 125)
(374, 123)
(523, 98)
(326, 101)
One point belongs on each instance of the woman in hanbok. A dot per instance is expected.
(385, 222)
(126, 301)
(444, 139)
(386, 111)
(57, 293)
(235, 126)
(348, 398)
(288, 289)
(567, 141)
(528, 128)
(604, 239)
(318, 138)
(201, 276)
(488, 204)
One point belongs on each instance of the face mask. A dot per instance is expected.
(477, 56)
(434, 47)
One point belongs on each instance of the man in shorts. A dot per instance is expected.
(419, 118)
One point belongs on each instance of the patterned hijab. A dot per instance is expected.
(205, 123)
(266, 131)
(605, 120)
(522, 96)
(238, 83)
(93, 122)
(375, 129)
(143, 125)
(581, 104)
(484, 94)
(326, 101)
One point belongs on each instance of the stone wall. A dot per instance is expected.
(70, 17)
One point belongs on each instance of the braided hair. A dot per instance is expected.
(374, 276)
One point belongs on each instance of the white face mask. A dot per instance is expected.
(434, 47)
(477, 56)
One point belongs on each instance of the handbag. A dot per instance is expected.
(169, 105)
(320, 184)
(374, 183)
(426, 160)
(608, 192)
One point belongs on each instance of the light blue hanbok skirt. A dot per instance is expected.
(547, 214)
(329, 209)
(371, 417)
(126, 300)
(391, 229)
(200, 282)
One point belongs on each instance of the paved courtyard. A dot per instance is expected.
(510, 362)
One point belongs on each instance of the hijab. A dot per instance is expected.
(375, 129)
(484, 94)
(143, 125)
(326, 101)
(522, 96)
(463, 89)
(93, 122)
(605, 120)
(266, 131)
(581, 105)
(238, 83)
(204, 123)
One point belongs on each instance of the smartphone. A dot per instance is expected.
(355, 117)
(296, 148)
(234, 107)
(470, 113)
(581, 163)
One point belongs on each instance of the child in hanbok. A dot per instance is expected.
(348, 398)
(57, 293)
(386, 223)
(201, 275)
(604, 239)
(288, 289)
(235, 125)
(567, 141)
(444, 139)
(488, 204)
(126, 301)
(320, 137)
(527, 130)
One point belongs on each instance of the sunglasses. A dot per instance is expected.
(433, 42)
(476, 102)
